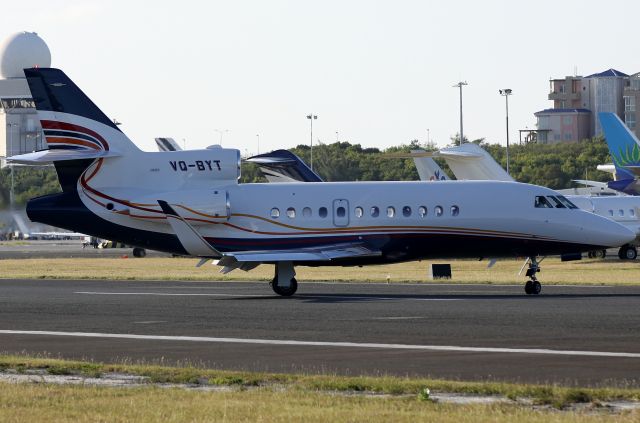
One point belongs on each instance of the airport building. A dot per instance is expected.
(20, 130)
(577, 100)
(631, 97)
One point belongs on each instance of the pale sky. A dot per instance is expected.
(380, 73)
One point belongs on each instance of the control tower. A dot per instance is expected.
(20, 130)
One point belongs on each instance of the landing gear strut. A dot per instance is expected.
(533, 287)
(284, 283)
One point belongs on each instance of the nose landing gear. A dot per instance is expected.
(533, 287)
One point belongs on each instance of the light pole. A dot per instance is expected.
(428, 137)
(336, 136)
(258, 137)
(221, 132)
(311, 118)
(506, 92)
(460, 85)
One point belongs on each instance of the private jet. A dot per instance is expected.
(190, 203)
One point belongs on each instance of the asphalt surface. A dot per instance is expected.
(567, 335)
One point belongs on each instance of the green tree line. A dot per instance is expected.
(554, 166)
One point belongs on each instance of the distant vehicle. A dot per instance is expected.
(190, 203)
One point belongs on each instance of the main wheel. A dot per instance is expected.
(284, 291)
(528, 287)
(536, 288)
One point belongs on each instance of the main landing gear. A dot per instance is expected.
(284, 283)
(533, 287)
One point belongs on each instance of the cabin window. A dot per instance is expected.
(455, 210)
(341, 212)
(391, 212)
(439, 210)
(275, 212)
(556, 202)
(406, 211)
(610, 212)
(566, 202)
(291, 213)
(375, 211)
(542, 202)
(322, 212)
(358, 212)
(422, 211)
(306, 212)
(621, 212)
(632, 212)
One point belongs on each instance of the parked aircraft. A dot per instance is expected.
(190, 203)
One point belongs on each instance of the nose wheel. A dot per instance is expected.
(532, 287)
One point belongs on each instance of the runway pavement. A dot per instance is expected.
(568, 335)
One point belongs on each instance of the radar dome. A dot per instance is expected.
(23, 50)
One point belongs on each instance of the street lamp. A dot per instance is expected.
(460, 85)
(506, 92)
(221, 132)
(311, 118)
(258, 136)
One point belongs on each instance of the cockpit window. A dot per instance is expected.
(566, 202)
(557, 202)
(542, 202)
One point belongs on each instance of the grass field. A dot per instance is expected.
(593, 271)
(278, 397)
(52, 403)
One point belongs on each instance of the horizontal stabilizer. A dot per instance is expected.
(50, 156)
(190, 239)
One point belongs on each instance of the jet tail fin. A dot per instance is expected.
(427, 168)
(76, 131)
(624, 146)
(284, 166)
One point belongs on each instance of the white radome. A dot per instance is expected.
(23, 50)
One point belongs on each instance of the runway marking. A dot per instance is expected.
(325, 344)
(303, 296)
